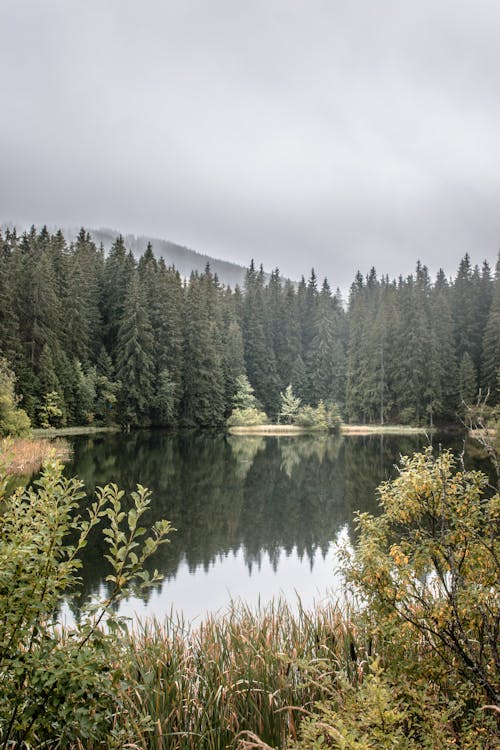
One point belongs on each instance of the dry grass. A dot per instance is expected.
(482, 432)
(270, 429)
(377, 429)
(25, 456)
(346, 429)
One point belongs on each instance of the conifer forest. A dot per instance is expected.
(95, 338)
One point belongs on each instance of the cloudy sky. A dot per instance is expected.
(329, 133)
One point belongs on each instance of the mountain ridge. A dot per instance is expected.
(183, 258)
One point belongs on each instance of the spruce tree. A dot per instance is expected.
(443, 371)
(260, 360)
(135, 357)
(491, 343)
(203, 379)
(117, 274)
(467, 382)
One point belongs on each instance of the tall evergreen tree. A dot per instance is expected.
(135, 353)
(203, 379)
(491, 343)
(117, 274)
(259, 357)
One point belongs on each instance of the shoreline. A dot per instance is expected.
(39, 432)
(345, 429)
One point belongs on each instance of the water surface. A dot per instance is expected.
(256, 517)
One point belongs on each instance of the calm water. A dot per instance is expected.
(256, 517)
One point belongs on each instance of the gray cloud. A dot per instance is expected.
(333, 133)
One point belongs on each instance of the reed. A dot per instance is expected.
(248, 673)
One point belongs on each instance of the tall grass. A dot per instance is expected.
(248, 672)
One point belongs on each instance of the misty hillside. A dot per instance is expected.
(184, 259)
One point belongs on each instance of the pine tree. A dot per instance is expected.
(290, 405)
(81, 301)
(244, 397)
(288, 339)
(10, 335)
(443, 372)
(491, 343)
(135, 352)
(356, 364)
(233, 360)
(203, 379)
(326, 358)
(117, 274)
(466, 311)
(164, 401)
(467, 382)
(169, 330)
(260, 360)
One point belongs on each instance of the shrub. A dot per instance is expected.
(59, 686)
(306, 417)
(246, 418)
(333, 418)
(427, 572)
(13, 421)
(320, 418)
(429, 566)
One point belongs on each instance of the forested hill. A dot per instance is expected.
(183, 258)
(96, 337)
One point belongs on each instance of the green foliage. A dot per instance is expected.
(386, 713)
(164, 400)
(246, 418)
(290, 405)
(235, 676)
(319, 418)
(429, 566)
(50, 413)
(13, 421)
(134, 359)
(244, 398)
(333, 418)
(467, 381)
(203, 376)
(427, 572)
(64, 686)
(402, 350)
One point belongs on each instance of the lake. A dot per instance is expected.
(255, 517)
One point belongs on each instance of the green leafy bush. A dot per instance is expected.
(246, 418)
(427, 572)
(13, 421)
(320, 418)
(65, 686)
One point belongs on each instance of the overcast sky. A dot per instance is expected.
(337, 134)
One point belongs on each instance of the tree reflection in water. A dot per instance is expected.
(256, 496)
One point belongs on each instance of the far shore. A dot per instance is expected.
(384, 429)
(346, 429)
(69, 431)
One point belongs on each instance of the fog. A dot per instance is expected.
(332, 134)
